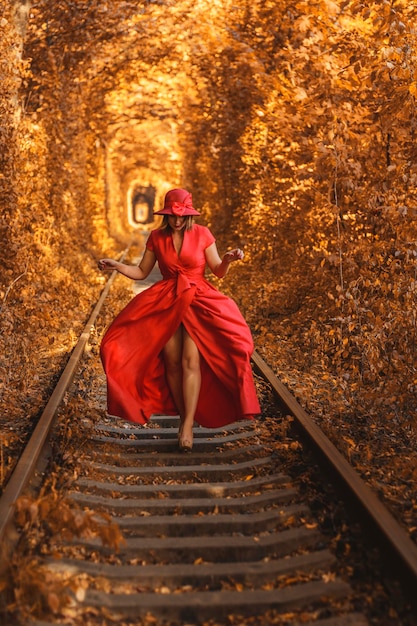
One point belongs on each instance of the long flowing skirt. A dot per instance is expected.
(132, 356)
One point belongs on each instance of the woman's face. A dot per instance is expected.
(176, 222)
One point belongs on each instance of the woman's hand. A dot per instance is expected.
(134, 272)
(107, 265)
(233, 255)
(219, 266)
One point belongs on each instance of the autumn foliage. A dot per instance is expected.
(293, 124)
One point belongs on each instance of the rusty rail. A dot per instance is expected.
(401, 547)
(26, 466)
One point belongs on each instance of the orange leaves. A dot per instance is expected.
(64, 520)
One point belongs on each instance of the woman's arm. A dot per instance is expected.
(136, 272)
(219, 266)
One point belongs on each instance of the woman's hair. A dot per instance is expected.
(189, 221)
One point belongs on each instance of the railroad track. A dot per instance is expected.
(198, 529)
(153, 536)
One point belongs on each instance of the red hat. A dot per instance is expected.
(178, 202)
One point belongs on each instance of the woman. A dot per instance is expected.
(180, 346)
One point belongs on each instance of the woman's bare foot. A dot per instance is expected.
(185, 438)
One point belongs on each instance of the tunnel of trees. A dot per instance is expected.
(292, 123)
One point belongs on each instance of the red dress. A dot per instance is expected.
(131, 349)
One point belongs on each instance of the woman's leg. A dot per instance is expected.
(173, 368)
(191, 373)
